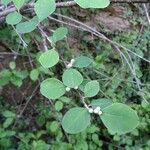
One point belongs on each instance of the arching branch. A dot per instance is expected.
(64, 4)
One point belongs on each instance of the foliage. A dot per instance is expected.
(93, 137)
(73, 85)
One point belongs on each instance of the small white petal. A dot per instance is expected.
(98, 108)
(96, 111)
(76, 87)
(69, 65)
(100, 112)
(67, 89)
(90, 110)
(72, 61)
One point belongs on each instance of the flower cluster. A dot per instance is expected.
(96, 110)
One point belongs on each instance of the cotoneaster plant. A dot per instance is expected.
(117, 117)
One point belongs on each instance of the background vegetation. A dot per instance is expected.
(28, 121)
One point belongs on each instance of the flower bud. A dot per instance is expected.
(90, 110)
(97, 110)
(72, 61)
(69, 65)
(67, 89)
(76, 87)
(100, 112)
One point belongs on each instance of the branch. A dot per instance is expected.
(64, 4)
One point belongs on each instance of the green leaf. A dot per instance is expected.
(4, 81)
(27, 26)
(93, 3)
(91, 88)
(12, 65)
(40, 145)
(52, 88)
(82, 62)
(76, 120)
(16, 81)
(59, 34)
(13, 18)
(18, 3)
(49, 58)
(8, 114)
(58, 105)
(102, 103)
(119, 118)
(34, 74)
(6, 2)
(5, 76)
(72, 78)
(44, 8)
(8, 122)
(54, 126)
(65, 99)
(21, 74)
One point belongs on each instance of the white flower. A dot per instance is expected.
(72, 61)
(97, 109)
(90, 110)
(67, 89)
(69, 65)
(76, 87)
(100, 112)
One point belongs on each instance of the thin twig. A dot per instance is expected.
(12, 8)
(147, 13)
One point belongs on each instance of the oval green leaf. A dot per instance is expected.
(44, 8)
(59, 34)
(76, 120)
(91, 88)
(102, 103)
(6, 2)
(119, 118)
(82, 62)
(13, 18)
(18, 3)
(93, 3)
(49, 58)
(72, 78)
(52, 88)
(34, 74)
(27, 26)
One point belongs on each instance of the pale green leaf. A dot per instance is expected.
(13, 18)
(44, 8)
(49, 58)
(76, 120)
(18, 3)
(8, 114)
(16, 81)
(91, 88)
(119, 118)
(59, 34)
(72, 78)
(52, 88)
(82, 61)
(93, 3)
(34, 74)
(27, 26)
(8, 122)
(6, 2)
(58, 105)
(102, 103)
